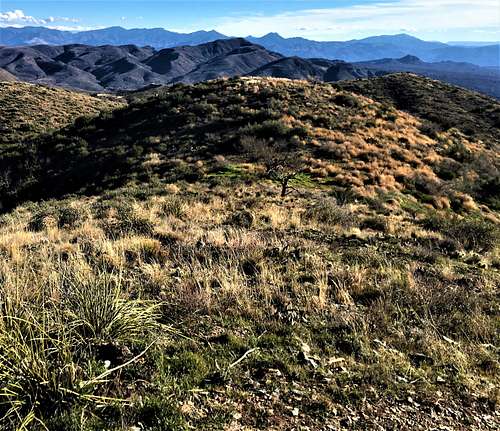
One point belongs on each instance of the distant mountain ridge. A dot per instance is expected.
(371, 48)
(155, 37)
(129, 67)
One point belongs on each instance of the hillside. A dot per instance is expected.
(481, 79)
(27, 109)
(442, 106)
(154, 275)
(6, 76)
(344, 140)
(129, 67)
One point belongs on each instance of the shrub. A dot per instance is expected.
(173, 206)
(377, 223)
(189, 366)
(37, 371)
(473, 234)
(244, 219)
(117, 219)
(269, 129)
(346, 100)
(96, 309)
(330, 213)
(58, 215)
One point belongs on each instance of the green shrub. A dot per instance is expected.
(190, 367)
(328, 212)
(117, 218)
(346, 100)
(473, 233)
(377, 223)
(37, 371)
(244, 219)
(268, 129)
(59, 215)
(96, 310)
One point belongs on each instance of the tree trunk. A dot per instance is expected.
(284, 186)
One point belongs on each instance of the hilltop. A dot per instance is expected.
(154, 276)
(344, 140)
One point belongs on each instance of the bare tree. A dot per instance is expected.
(282, 160)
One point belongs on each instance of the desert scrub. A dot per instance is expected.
(173, 206)
(57, 214)
(329, 213)
(376, 223)
(472, 233)
(118, 218)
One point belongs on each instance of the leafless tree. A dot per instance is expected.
(282, 160)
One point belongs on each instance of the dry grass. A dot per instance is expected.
(27, 108)
(412, 313)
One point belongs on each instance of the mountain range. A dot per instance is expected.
(129, 67)
(371, 48)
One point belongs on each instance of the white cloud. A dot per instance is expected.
(62, 19)
(74, 27)
(19, 18)
(421, 16)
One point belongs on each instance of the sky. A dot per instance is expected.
(443, 20)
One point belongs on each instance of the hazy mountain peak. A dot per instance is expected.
(273, 36)
(410, 59)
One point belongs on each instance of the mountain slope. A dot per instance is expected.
(443, 106)
(128, 67)
(241, 61)
(341, 71)
(6, 76)
(292, 68)
(27, 109)
(484, 80)
(157, 37)
(480, 55)
(376, 47)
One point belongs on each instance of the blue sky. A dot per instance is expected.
(445, 20)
